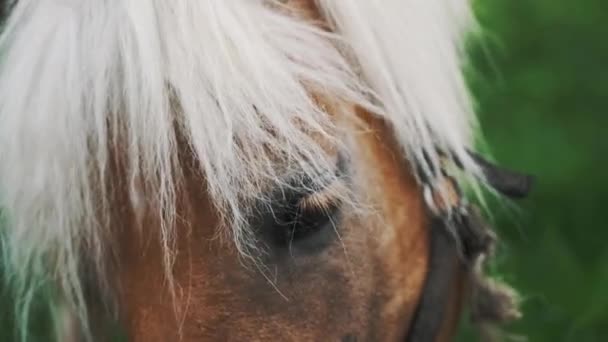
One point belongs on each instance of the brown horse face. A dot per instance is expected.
(342, 276)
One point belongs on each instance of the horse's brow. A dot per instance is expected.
(306, 185)
(340, 171)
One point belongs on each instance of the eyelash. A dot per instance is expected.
(303, 220)
(303, 217)
(309, 219)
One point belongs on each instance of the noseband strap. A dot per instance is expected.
(460, 243)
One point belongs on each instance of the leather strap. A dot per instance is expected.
(461, 241)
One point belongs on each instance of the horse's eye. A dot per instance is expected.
(306, 223)
(304, 216)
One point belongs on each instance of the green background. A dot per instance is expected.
(540, 78)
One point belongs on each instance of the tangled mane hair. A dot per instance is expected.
(80, 77)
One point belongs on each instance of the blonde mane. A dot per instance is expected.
(221, 71)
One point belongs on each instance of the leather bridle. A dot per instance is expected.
(460, 243)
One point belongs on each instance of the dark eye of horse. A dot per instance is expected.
(299, 221)
(303, 217)
(306, 226)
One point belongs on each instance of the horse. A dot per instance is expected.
(297, 170)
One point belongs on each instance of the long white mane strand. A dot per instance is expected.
(234, 77)
(409, 52)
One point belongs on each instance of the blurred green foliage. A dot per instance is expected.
(541, 81)
(540, 76)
